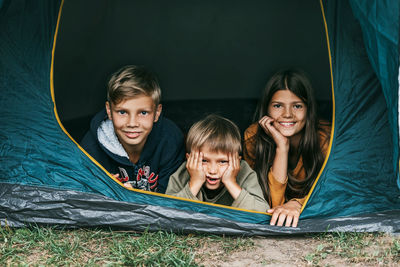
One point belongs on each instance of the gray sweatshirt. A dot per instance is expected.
(250, 198)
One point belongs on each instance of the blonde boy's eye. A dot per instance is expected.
(122, 112)
(144, 113)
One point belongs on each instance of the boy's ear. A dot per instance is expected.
(187, 156)
(158, 112)
(108, 109)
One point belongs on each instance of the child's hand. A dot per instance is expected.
(232, 170)
(267, 124)
(194, 166)
(230, 174)
(289, 212)
(128, 185)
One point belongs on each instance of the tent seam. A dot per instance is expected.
(333, 112)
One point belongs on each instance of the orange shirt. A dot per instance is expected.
(277, 189)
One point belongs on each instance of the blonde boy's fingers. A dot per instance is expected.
(200, 160)
(189, 159)
(230, 160)
(235, 165)
(234, 161)
(237, 160)
(195, 158)
(227, 170)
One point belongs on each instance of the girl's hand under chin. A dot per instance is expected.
(267, 124)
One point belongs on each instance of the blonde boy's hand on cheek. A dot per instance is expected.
(230, 174)
(287, 213)
(194, 166)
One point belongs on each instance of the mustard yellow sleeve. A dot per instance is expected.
(300, 200)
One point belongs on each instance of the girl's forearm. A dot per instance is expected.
(280, 165)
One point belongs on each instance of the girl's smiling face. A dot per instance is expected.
(288, 111)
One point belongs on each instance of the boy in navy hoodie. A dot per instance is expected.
(130, 138)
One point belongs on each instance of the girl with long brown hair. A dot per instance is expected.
(286, 146)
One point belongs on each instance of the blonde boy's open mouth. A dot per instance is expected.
(212, 181)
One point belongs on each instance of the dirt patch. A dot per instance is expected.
(334, 250)
(279, 251)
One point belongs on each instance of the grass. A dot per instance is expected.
(42, 246)
(355, 248)
(38, 246)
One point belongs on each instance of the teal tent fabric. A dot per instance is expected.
(39, 160)
(359, 175)
(380, 25)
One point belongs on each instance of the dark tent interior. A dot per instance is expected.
(210, 56)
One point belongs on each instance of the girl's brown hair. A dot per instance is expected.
(309, 148)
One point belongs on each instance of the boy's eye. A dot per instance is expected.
(122, 112)
(144, 112)
(224, 162)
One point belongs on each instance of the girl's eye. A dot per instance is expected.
(298, 106)
(276, 105)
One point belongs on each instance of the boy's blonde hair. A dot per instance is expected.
(131, 81)
(218, 133)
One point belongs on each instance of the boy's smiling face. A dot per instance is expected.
(133, 120)
(214, 166)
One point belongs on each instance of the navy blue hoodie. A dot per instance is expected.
(162, 153)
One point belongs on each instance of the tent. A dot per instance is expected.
(47, 179)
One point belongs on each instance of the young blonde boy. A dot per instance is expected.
(214, 171)
(130, 138)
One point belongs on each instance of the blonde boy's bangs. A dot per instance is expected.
(224, 145)
(217, 133)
